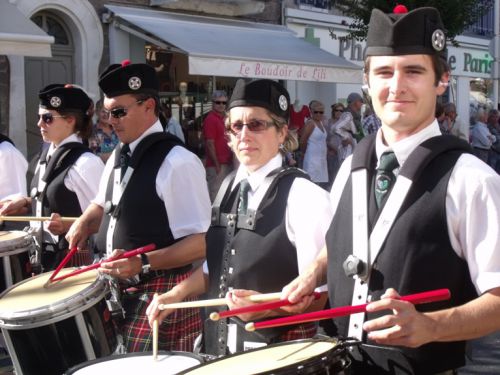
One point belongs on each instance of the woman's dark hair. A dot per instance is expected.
(83, 121)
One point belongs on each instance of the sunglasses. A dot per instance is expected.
(253, 125)
(338, 110)
(48, 118)
(119, 112)
(220, 102)
(318, 112)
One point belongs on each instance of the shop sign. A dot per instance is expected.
(271, 70)
(470, 63)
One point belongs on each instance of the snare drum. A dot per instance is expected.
(15, 247)
(311, 356)
(48, 330)
(168, 363)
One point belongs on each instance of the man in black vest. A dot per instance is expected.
(425, 221)
(153, 190)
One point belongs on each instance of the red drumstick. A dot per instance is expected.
(425, 297)
(255, 308)
(128, 254)
(62, 264)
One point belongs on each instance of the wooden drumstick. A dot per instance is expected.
(418, 298)
(61, 265)
(218, 301)
(255, 308)
(34, 218)
(155, 335)
(128, 254)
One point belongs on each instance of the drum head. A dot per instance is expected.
(29, 299)
(285, 358)
(168, 363)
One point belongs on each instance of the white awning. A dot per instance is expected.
(230, 48)
(19, 35)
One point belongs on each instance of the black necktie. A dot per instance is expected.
(385, 177)
(124, 159)
(244, 188)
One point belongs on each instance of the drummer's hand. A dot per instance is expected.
(154, 313)
(55, 225)
(404, 327)
(78, 234)
(16, 206)
(302, 286)
(236, 299)
(122, 268)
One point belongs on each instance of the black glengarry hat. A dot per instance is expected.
(420, 31)
(127, 78)
(64, 97)
(261, 93)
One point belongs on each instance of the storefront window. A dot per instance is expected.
(188, 97)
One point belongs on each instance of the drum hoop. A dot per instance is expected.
(57, 311)
(337, 348)
(16, 245)
(80, 366)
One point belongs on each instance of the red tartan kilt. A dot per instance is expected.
(176, 333)
(302, 331)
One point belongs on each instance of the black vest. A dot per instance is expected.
(244, 253)
(141, 215)
(417, 255)
(56, 197)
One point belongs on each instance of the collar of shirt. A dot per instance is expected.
(256, 178)
(405, 147)
(72, 138)
(156, 128)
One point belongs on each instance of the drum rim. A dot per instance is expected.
(60, 310)
(16, 245)
(114, 357)
(337, 349)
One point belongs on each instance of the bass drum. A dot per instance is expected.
(312, 356)
(167, 363)
(50, 329)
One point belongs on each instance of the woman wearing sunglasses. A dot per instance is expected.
(268, 221)
(313, 145)
(67, 173)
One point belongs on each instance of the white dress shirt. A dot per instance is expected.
(308, 211)
(180, 184)
(83, 176)
(472, 207)
(13, 167)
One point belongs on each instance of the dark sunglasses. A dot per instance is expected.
(220, 102)
(318, 112)
(48, 118)
(338, 110)
(253, 125)
(119, 112)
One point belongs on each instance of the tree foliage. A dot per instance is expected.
(457, 15)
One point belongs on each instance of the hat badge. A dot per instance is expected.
(283, 103)
(134, 83)
(55, 101)
(438, 40)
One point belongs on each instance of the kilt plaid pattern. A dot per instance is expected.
(303, 331)
(80, 258)
(177, 332)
